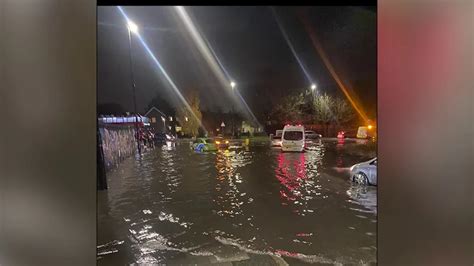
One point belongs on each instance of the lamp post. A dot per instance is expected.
(232, 85)
(164, 124)
(313, 89)
(132, 27)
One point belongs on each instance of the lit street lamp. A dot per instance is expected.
(232, 85)
(313, 89)
(164, 124)
(132, 27)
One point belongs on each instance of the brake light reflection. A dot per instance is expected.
(290, 180)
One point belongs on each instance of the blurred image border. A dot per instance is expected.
(48, 160)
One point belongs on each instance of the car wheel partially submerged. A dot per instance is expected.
(360, 178)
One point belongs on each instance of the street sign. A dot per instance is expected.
(222, 124)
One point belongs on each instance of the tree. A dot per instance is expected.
(308, 108)
(323, 105)
(187, 118)
(330, 110)
(290, 109)
(343, 112)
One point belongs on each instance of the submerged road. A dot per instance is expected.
(256, 205)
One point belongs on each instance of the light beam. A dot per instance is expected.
(210, 56)
(157, 63)
(287, 39)
(331, 69)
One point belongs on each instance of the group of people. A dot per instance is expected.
(146, 137)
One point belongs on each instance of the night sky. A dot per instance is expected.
(250, 46)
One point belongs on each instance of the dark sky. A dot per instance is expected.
(249, 44)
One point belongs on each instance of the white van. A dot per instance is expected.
(293, 138)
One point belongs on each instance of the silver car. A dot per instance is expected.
(311, 135)
(276, 141)
(365, 173)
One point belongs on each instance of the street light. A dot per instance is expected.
(132, 27)
(164, 124)
(232, 85)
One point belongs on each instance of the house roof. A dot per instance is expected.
(155, 109)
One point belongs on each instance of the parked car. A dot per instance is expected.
(279, 132)
(160, 138)
(293, 138)
(164, 137)
(276, 141)
(170, 137)
(365, 173)
(203, 144)
(310, 135)
(221, 143)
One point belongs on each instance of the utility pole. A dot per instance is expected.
(132, 27)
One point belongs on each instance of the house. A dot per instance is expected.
(158, 120)
(249, 128)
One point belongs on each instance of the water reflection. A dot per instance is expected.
(363, 195)
(298, 174)
(290, 173)
(229, 199)
(169, 146)
(340, 153)
(173, 203)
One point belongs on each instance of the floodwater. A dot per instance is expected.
(249, 206)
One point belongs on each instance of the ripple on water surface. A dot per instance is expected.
(226, 204)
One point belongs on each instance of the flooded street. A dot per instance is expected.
(247, 206)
